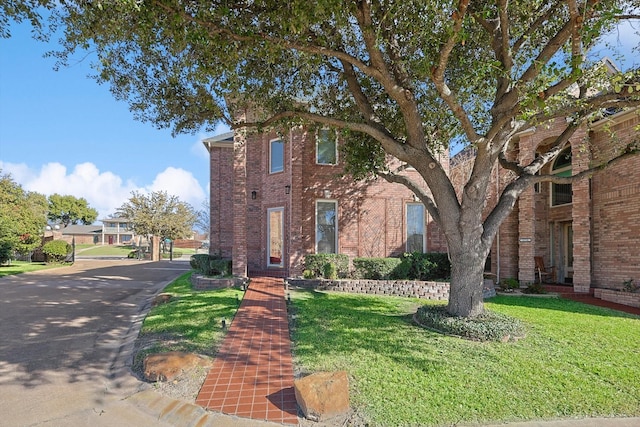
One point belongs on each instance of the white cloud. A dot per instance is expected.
(198, 148)
(179, 183)
(105, 191)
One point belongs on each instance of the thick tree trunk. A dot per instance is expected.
(467, 282)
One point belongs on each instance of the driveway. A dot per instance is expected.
(66, 337)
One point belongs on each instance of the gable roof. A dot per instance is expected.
(82, 229)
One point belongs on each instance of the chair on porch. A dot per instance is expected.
(544, 273)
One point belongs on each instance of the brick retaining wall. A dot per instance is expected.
(401, 288)
(203, 283)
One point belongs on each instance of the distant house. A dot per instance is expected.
(113, 231)
(116, 231)
(82, 234)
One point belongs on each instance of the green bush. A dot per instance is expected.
(219, 267)
(56, 250)
(175, 254)
(489, 326)
(315, 264)
(375, 268)
(423, 266)
(534, 288)
(197, 261)
(329, 271)
(509, 284)
(211, 265)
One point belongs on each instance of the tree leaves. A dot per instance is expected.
(159, 214)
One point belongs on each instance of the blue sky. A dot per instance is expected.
(61, 132)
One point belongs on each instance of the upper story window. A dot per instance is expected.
(326, 147)
(276, 156)
(561, 193)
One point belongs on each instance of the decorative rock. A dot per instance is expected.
(160, 299)
(167, 366)
(323, 395)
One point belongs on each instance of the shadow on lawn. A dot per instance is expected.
(344, 323)
(560, 304)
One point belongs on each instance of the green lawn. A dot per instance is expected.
(17, 267)
(124, 250)
(576, 361)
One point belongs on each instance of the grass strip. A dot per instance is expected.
(18, 267)
(190, 322)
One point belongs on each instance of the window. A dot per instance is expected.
(276, 156)
(326, 229)
(561, 193)
(415, 227)
(326, 147)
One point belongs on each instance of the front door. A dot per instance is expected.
(275, 237)
(566, 247)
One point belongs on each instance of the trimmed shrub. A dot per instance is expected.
(220, 267)
(315, 264)
(489, 326)
(56, 250)
(375, 268)
(423, 266)
(211, 265)
(176, 254)
(199, 262)
(329, 271)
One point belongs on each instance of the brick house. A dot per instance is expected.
(276, 198)
(588, 231)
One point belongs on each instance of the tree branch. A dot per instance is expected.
(426, 200)
(439, 70)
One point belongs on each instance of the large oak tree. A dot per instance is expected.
(402, 79)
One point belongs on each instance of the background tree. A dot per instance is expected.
(23, 217)
(203, 220)
(159, 214)
(400, 79)
(66, 210)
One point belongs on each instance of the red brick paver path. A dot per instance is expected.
(252, 375)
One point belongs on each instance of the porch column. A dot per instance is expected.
(239, 251)
(526, 236)
(581, 215)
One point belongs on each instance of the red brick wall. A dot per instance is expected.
(221, 178)
(604, 213)
(370, 215)
(616, 210)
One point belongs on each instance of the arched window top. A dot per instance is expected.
(563, 160)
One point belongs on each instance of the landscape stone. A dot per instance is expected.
(323, 395)
(162, 298)
(168, 366)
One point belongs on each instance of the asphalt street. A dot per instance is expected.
(66, 336)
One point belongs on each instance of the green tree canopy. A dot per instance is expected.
(23, 217)
(68, 210)
(159, 214)
(400, 79)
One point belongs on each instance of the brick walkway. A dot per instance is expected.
(252, 375)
